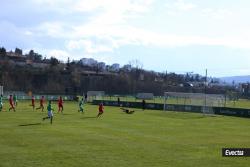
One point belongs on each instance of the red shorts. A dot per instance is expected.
(60, 105)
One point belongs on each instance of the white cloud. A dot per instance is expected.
(105, 31)
(103, 58)
(216, 13)
(89, 47)
(107, 27)
(93, 5)
(116, 36)
(179, 6)
(28, 33)
(59, 54)
(95, 38)
(75, 45)
(52, 29)
(183, 6)
(14, 36)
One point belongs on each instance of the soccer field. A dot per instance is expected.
(143, 139)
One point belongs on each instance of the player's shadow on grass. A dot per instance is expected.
(88, 117)
(30, 124)
(65, 114)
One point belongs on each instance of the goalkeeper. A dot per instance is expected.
(127, 111)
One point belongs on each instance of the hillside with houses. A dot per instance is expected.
(36, 73)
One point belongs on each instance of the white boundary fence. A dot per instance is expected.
(1, 90)
(145, 96)
(201, 99)
(95, 95)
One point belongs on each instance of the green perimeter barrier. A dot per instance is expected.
(238, 112)
(153, 106)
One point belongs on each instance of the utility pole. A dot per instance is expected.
(167, 78)
(205, 89)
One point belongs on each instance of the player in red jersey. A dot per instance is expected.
(42, 100)
(33, 102)
(101, 110)
(60, 104)
(12, 106)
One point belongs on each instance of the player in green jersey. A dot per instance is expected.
(15, 100)
(1, 102)
(81, 103)
(50, 113)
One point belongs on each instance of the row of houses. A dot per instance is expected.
(22, 60)
(90, 62)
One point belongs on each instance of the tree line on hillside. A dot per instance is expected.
(74, 78)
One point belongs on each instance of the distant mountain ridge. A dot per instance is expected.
(236, 79)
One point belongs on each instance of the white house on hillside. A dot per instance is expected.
(101, 66)
(88, 62)
(115, 67)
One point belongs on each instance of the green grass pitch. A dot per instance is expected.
(143, 139)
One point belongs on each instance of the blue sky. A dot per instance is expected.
(174, 35)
